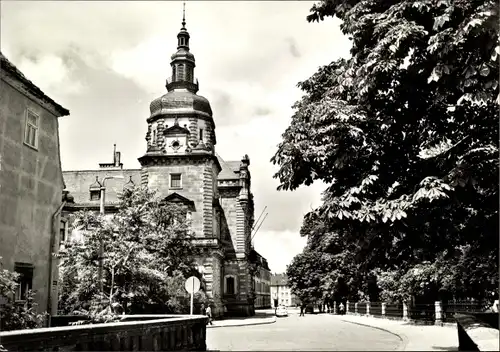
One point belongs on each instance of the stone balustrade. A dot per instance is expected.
(133, 333)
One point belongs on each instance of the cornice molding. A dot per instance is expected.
(163, 159)
(182, 114)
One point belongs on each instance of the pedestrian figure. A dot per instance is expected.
(302, 309)
(202, 310)
(341, 308)
(209, 315)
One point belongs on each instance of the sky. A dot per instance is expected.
(106, 61)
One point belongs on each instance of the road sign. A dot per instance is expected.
(192, 284)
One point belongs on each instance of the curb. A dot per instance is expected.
(404, 339)
(242, 324)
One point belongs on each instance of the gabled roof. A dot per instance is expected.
(9, 67)
(230, 169)
(279, 280)
(176, 129)
(177, 198)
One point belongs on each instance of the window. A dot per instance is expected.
(25, 279)
(201, 134)
(31, 132)
(63, 230)
(95, 194)
(230, 285)
(153, 133)
(175, 181)
(189, 74)
(180, 72)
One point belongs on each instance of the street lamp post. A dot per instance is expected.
(101, 248)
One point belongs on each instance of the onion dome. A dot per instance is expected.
(180, 101)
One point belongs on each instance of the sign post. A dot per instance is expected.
(192, 285)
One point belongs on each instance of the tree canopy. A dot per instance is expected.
(148, 254)
(405, 133)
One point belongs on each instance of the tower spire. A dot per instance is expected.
(183, 62)
(183, 15)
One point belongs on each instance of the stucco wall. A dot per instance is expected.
(31, 188)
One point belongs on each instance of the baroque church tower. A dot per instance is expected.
(181, 164)
(180, 161)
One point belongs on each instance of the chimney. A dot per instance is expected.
(117, 159)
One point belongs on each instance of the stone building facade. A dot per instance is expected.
(180, 163)
(31, 184)
(262, 281)
(281, 293)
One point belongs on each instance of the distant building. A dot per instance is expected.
(181, 164)
(281, 292)
(262, 282)
(31, 185)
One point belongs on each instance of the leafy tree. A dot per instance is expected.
(148, 255)
(17, 315)
(405, 132)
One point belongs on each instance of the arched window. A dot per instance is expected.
(189, 73)
(153, 132)
(230, 285)
(180, 72)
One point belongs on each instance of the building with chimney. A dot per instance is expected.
(31, 185)
(181, 164)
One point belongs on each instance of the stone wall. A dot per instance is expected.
(192, 188)
(229, 204)
(31, 185)
(149, 333)
(208, 197)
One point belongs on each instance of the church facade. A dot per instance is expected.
(180, 163)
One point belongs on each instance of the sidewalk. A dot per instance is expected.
(414, 337)
(258, 319)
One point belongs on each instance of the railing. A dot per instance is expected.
(450, 308)
(362, 308)
(394, 310)
(424, 313)
(428, 313)
(376, 309)
(193, 83)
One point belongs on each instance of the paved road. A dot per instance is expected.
(312, 332)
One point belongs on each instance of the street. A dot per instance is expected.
(312, 332)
